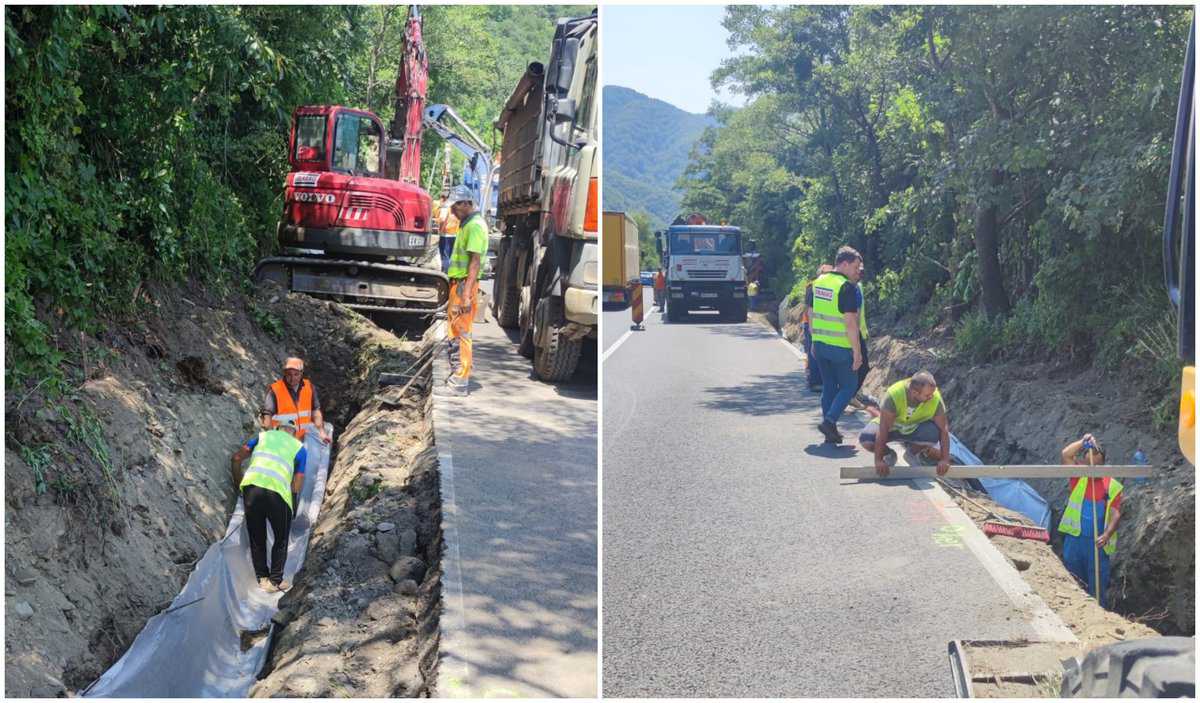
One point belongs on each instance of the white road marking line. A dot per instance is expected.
(1045, 622)
(454, 631)
(793, 348)
(616, 344)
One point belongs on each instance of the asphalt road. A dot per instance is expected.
(736, 563)
(518, 461)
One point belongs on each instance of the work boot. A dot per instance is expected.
(265, 584)
(452, 388)
(284, 585)
(832, 436)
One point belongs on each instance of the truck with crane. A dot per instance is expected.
(356, 226)
(547, 267)
(704, 268)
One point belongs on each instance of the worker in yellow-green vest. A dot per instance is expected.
(752, 293)
(813, 372)
(470, 246)
(835, 333)
(1090, 518)
(914, 413)
(270, 489)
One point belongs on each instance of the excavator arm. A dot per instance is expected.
(443, 120)
(412, 83)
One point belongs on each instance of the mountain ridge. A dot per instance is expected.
(647, 143)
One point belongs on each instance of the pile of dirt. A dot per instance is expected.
(1024, 413)
(116, 490)
(362, 622)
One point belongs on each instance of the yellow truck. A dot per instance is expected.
(619, 246)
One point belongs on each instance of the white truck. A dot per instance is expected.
(547, 268)
(704, 269)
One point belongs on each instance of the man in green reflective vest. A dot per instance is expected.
(470, 246)
(270, 490)
(1090, 517)
(914, 413)
(835, 338)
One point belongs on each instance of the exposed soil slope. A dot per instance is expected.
(115, 491)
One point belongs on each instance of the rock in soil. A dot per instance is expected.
(407, 568)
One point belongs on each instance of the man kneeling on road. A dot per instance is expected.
(270, 490)
(914, 409)
(469, 247)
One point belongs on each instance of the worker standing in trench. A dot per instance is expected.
(295, 398)
(270, 490)
(1090, 533)
(469, 247)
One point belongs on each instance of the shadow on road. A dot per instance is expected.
(528, 562)
(831, 451)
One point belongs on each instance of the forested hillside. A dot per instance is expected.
(646, 147)
(148, 143)
(1001, 168)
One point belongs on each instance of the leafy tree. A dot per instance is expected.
(997, 163)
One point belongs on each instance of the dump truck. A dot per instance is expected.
(704, 268)
(619, 239)
(547, 265)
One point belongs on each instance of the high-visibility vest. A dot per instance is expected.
(1072, 518)
(828, 325)
(273, 463)
(286, 409)
(460, 258)
(908, 418)
(752, 289)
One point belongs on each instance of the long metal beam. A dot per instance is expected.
(867, 473)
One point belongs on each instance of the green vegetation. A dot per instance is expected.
(150, 142)
(646, 146)
(1001, 168)
(648, 251)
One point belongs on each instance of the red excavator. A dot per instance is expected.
(355, 226)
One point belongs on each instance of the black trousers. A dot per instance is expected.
(266, 506)
(862, 370)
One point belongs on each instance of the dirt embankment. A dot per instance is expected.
(1024, 413)
(116, 490)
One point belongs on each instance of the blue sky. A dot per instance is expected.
(665, 51)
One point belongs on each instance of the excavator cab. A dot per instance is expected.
(348, 232)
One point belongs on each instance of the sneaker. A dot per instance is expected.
(265, 584)
(450, 389)
(284, 585)
(889, 456)
(866, 400)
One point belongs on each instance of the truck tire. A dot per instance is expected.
(674, 314)
(557, 360)
(739, 313)
(1159, 667)
(508, 293)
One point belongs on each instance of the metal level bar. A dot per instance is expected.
(867, 473)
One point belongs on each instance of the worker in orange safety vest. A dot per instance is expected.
(294, 397)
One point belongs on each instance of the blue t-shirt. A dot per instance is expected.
(301, 458)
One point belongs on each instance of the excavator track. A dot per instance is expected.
(361, 285)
